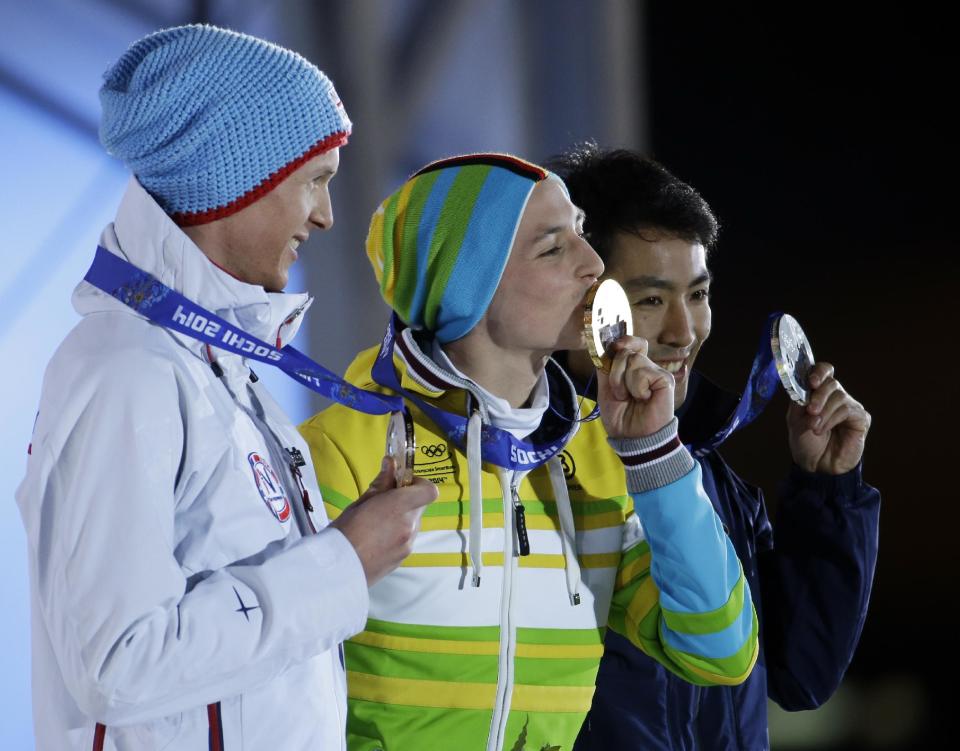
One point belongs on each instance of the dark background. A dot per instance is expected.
(824, 141)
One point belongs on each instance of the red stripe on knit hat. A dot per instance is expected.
(192, 218)
(519, 166)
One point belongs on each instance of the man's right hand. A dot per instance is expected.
(383, 522)
(636, 396)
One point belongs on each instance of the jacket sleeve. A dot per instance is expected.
(681, 595)
(816, 583)
(136, 636)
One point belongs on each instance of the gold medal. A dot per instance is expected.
(606, 318)
(794, 357)
(402, 446)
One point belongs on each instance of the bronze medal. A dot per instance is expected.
(402, 446)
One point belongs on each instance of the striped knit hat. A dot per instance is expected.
(439, 244)
(210, 120)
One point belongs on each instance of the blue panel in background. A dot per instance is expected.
(61, 190)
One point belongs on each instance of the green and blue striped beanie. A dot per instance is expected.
(439, 244)
(210, 120)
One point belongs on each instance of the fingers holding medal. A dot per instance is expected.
(635, 394)
(827, 427)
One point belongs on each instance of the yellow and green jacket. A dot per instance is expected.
(510, 664)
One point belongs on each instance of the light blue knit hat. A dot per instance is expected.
(210, 120)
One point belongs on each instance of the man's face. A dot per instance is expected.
(259, 243)
(538, 305)
(667, 282)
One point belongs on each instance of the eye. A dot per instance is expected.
(701, 294)
(551, 251)
(651, 301)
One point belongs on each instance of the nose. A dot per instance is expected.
(592, 262)
(321, 215)
(677, 330)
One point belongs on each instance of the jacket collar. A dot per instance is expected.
(144, 235)
(420, 375)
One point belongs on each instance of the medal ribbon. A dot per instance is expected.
(496, 446)
(759, 390)
(164, 306)
(152, 299)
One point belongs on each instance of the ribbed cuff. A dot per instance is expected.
(845, 488)
(654, 460)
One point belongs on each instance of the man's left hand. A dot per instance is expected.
(827, 434)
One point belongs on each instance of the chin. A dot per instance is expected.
(571, 338)
(277, 284)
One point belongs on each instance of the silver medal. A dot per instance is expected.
(794, 357)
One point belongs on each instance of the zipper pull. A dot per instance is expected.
(520, 519)
(306, 498)
(522, 529)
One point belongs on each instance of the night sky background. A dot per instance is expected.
(823, 140)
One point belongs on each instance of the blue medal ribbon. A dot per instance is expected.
(496, 446)
(152, 299)
(759, 390)
(162, 305)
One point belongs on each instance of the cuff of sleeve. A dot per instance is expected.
(334, 553)
(831, 486)
(654, 460)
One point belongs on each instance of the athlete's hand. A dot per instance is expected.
(827, 434)
(636, 397)
(383, 522)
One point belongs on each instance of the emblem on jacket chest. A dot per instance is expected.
(270, 487)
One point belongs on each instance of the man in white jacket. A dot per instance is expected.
(188, 591)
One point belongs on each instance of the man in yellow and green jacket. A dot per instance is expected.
(548, 528)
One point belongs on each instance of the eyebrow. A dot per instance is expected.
(541, 233)
(656, 282)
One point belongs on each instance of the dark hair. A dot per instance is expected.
(623, 191)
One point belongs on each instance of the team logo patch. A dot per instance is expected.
(270, 487)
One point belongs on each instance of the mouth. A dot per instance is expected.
(677, 368)
(294, 245)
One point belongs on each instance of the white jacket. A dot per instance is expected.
(175, 585)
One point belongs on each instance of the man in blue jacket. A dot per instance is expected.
(811, 585)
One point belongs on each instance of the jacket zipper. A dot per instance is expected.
(508, 630)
